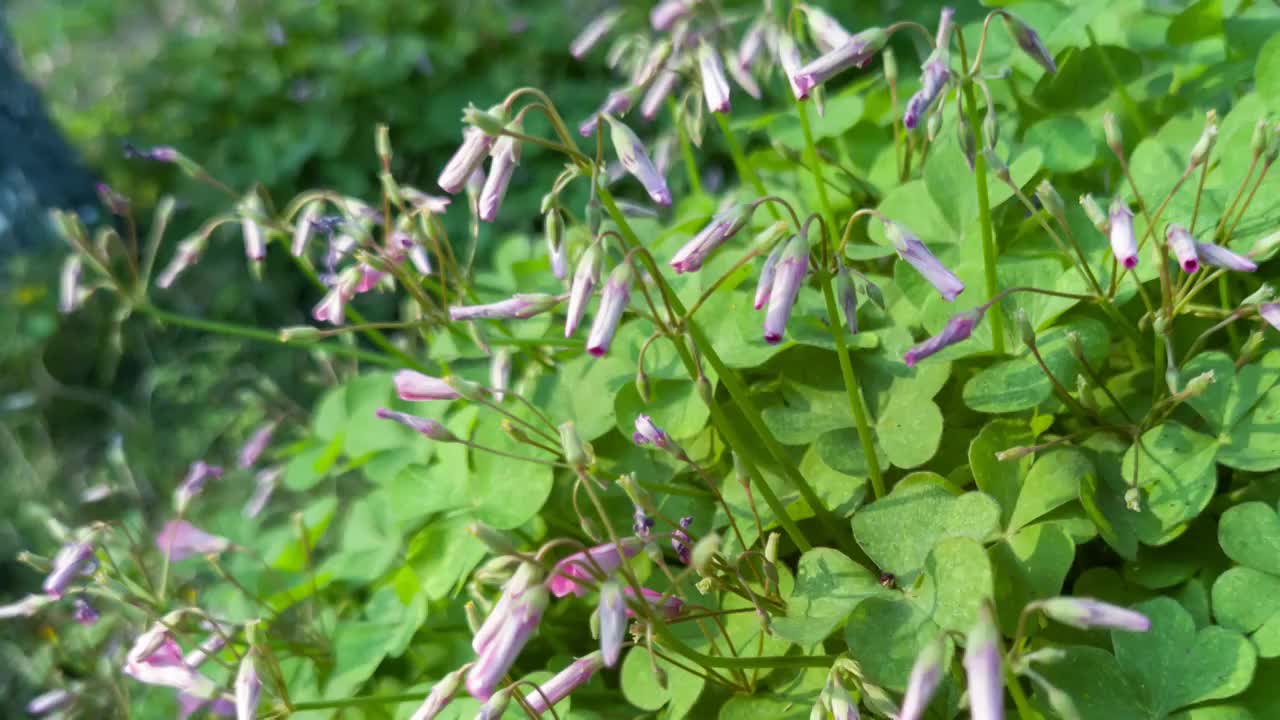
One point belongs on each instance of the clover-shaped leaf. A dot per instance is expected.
(1021, 384)
(1242, 408)
(1176, 473)
(1247, 598)
(898, 530)
(828, 585)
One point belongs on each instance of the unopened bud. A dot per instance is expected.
(1061, 702)
(1025, 329)
(990, 128)
(594, 217)
(704, 551)
(964, 133)
(299, 334)
(1197, 385)
(705, 391)
(1084, 393)
(1251, 347)
(1133, 499)
(642, 385)
(1258, 143)
(1200, 152)
(889, 63)
(998, 168)
(490, 122)
(636, 494)
(1050, 199)
(466, 389)
(1171, 378)
(1075, 346)
(1111, 128)
(1263, 294)
(1265, 247)
(769, 236)
(1096, 215)
(771, 547)
(382, 142)
(740, 471)
(499, 543)
(1014, 453)
(571, 443)
(1161, 323)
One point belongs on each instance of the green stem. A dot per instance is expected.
(772, 661)
(740, 161)
(853, 391)
(1224, 297)
(1020, 701)
(989, 253)
(811, 152)
(686, 151)
(359, 700)
(251, 333)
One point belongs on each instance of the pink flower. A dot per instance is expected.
(72, 560)
(1271, 313)
(910, 248)
(635, 160)
(585, 278)
(957, 329)
(566, 681)
(982, 668)
(248, 689)
(791, 269)
(933, 81)
(1123, 244)
(715, 85)
(667, 12)
(669, 608)
(827, 32)
(427, 427)
(764, 285)
(221, 706)
(857, 51)
(618, 102)
(1220, 257)
(792, 64)
(691, 255)
(926, 674)
(1183, 247)
(586, 564)
(612, 612)
(186, 255)
(518, 307)
(506, 156)
(613, 301)
(414, 386)
(180, 539)
(657, 93)
(501, 652)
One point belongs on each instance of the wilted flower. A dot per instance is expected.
(715, 86)
(1123, 244)
(680, 540)
(595, 30)
(1183, 247)
(585, 278)
(910, 248)
(73, 559)
(926, 674)
(792, 266)
(520, 306)
(475, 147)
(427, 427)
(982, 668)
(612, 611)
(566, 681)
(1220, 257)
(500, 654)
(613, 300)
(723, 226)
(186, 255)
(857, 51)
(1027, 39)
(957, 329)
(26, 607)
(1086, 613)
(414, 386)
(635, 160)
(668, 608)
(585, 565)
(506, 156)
(180, 539)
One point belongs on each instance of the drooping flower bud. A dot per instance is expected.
(715, 85)
(680, 540)
(635, 160)
(1087, 613)
(613, 621)
(647, 433)
(187, 254)
(658, 92)
(566, 681)
(1111, 129)
(946, 17)
(26, 607)
(500, 372)
(790, 271)
(466, 160)
(595, 30)
(180, 539)
(964, 138)
(957, 329)
(1050, 199)
(72, 561)
(751, 44)
(592, 565)
(248, 689)
(491, 122)
(792, 63)
(1029, 40)
(520, 306)
(827, 32)
(667, 12)
(303, 227)
(982, 668)
(1025, 329)
(613, 301)
(1183, 247)
(1095, 213)
(440, 696)
(500, 654)
(254, 447)
(49, 702)
(764, 285)
(1200, 151)
(198, 475)
(427, 427)
(264, 486)
(838, 700)
(856, 52)
(506, 156)
(617, 102)
(414, 386)
(911, 249)
(255, 245)
(1220, 257)
(646, 71)
(585, 278)
(691, 255)
(70, 294)
(1123, 243)
(847, 297)
(575, 452)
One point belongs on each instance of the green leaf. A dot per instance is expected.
(1001, 480)
(640, 687)
(1021, 384)
(1242, 407)
(1093, 679)
(791, 700)
(358, 649)
(674, 406)
(443, 553)
(1054, 481)
(1102, 496)
(1267, 73)
(1066, 141)
(1030, 565)
(898, 530)
(828, 586)
(1177, 476)
(1173, 665)
(370, 541)
(909, 429)
(506, 493)
(1250, 535)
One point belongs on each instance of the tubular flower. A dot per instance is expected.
(27, 606)
(50, 701)
(715, 85)
(255, 246)
(256, 445)
(500, 654)
(303, 227)
(957, 329)
(617, 102)
(265, 483)
(1220, 257)
(470, 154)
(647, 433)
(657, 93)
(70, 294)
(668, 13)
(680, 540)
(506, 156)
(155, 659)
(1271, 313)
(1086, 613)
(982, 668)
(525, 577)
(424, 426)
(586, 564)
(180, 539)
(857, 51)
(691, 255)
(613, 300)
(440, 696)
(186, 255)
(1029, 40)
(669, 608)
(520, 306)
(565, 682)
(933, 81)
(414, 386)
(613, 621)
(595, 31)
(198, 475)
(764, 285)
(792, 64)
(1183, 247)
(73, 560)
(248, 689)
(1123, 243)
(585, 278)
(500, 373)
(926, 674)
(635, 160)
(910, 248)
(753, 41)
(791, 269)
(827, 32)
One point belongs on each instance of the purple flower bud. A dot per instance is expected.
(70, 294)
(1123, 244)
(585, 278)
(255, 246)
(680, 540)
(198, 475)
(440, 696)
(635, 160)
(641, 523)
(715, 86)
(1271, 313)
(1027, 39)
(649, 434)
(618, 102)
(50, 701)
(792, 64)
(180, 539)
(957, 329)
(565, 682)
(982, 668)
(421, 261)
(857, 51)
(506, 156)
(668, 12)
(83, 612)
(525, 577)
(26, 607)
(265, 483)
(847, 296)
(744, 80)
(303, 227)
(155, 659)
(1220, 257)
(248, 689)
(71, 561)
(256, 444)
(414, 387)
(186, 255)
(669, 608)
(910, 248)
(827, 32)
(764, 285)
(475, 147)
(933, 82)
(751, 44)
(501, 653)
(211, 646)
(1183, 247)
(188, 705)
(945, 18)
(591, 35)
(1086, 613)
(427, 427)
(613, 300)
(613, 621)
(792, 266)
(926, 674)
(657, 93)
(691, 255)
(520, 306)
(593, 564)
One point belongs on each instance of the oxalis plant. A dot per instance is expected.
(721, 488)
